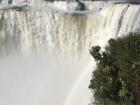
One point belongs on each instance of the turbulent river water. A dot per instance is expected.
(44, 49)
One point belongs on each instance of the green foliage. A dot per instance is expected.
(116, 78)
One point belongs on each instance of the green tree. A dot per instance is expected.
(116, 80)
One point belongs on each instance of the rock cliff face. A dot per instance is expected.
(76, 5)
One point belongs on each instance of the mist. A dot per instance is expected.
(39, 80)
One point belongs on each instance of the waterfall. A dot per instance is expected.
(59, 33)
(5, 2)
(63, 33)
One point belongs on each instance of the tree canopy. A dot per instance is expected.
(116, 80)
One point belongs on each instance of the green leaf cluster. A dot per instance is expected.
(116, 80)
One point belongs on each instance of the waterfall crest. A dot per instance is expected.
(5, 2)
(63, 33)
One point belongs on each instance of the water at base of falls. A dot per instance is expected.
(44, 49)
(39, 80)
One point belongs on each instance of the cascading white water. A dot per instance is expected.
(46, 31)
(5, 2)
(58, 34)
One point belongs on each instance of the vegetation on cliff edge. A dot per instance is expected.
(116, 80)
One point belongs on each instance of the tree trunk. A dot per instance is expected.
(137, 96)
